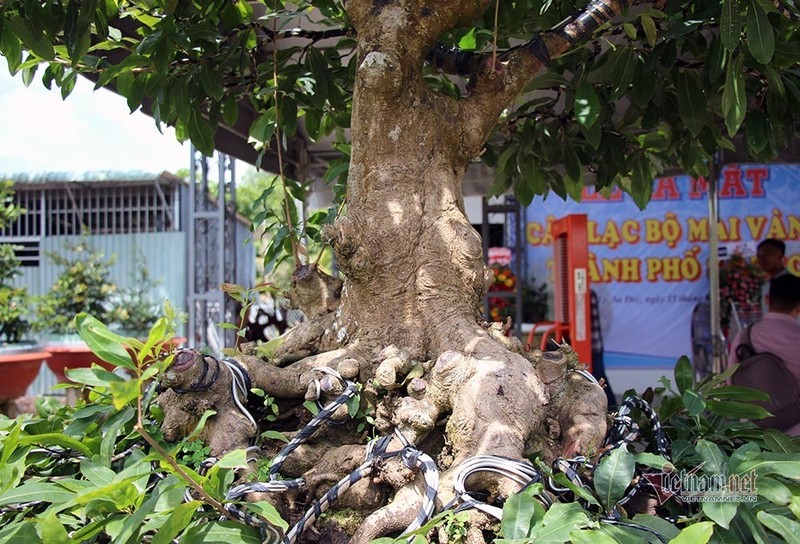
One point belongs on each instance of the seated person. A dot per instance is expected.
(771, 257)
(778, 332)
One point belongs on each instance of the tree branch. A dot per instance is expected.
(493, 87)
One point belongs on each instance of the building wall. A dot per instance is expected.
(163, 253)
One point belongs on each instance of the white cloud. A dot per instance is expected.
(90, 130)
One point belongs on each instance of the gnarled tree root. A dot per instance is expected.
(488, 399)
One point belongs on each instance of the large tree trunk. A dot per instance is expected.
(414, 284)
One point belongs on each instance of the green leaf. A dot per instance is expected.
(558, 522)
(24, 531)
(133, 523)
(622, 534)
(211, 82)
(593, 135)
(56, 439)
(275, 435)
(11, 49)
(747, 451)
(353, 404)
(110, 431)
(502, 183)
(760, 37)
(773, 490)
(468, 40)
(580, 492)
(737, 410)
(712, 456)
(652, 460)
(587, 104)
(10, 441)
(200, 133)
(730, 24)
(779, 442)
(105, 344)
(757, 130)
(630, 30)
(613, 476)
(36, 491)
(520, 513)
(691, 101)
(52, 531)
(233, 459)
(263, 128)
(716, 60)
(97, 474)
(713, 381)
(770, 463)
(230, 110)
(720, 513)
(748, 527)
(32, 38)
(783, 526)
(644, 84)
(574, 171)
(734, 97)
(641, 186)
(269, 513)
(649, 27)
(737, 393)
(94, 376)
(224, 532)
(124, 392)
(590, 537)
(178, 519)
(622, 68)
(694, 403)
(661, 525)
(684, 374)
(699, 533)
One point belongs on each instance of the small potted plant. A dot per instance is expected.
(84, 285)
(20, 358)
(136, 309)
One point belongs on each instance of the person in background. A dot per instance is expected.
(778, 332)
(771, 257)
(598, 365)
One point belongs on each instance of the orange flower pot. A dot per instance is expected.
(76, 355)
(19, 369)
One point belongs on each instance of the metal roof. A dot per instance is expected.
(95, 176)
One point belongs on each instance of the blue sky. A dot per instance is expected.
(90, 130)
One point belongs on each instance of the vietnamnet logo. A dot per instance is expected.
(692, 486)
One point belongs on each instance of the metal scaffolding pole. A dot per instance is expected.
(211, 251)
(713, 264)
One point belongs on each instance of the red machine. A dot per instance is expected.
(571, 285)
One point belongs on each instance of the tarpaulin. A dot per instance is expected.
(649, 267)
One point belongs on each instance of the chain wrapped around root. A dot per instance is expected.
(488, 400)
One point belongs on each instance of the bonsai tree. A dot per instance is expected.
(13, 300)
(84, 285)
(547, 93)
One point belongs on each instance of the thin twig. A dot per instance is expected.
(286, 212)
(182, 473)
(494, 38)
